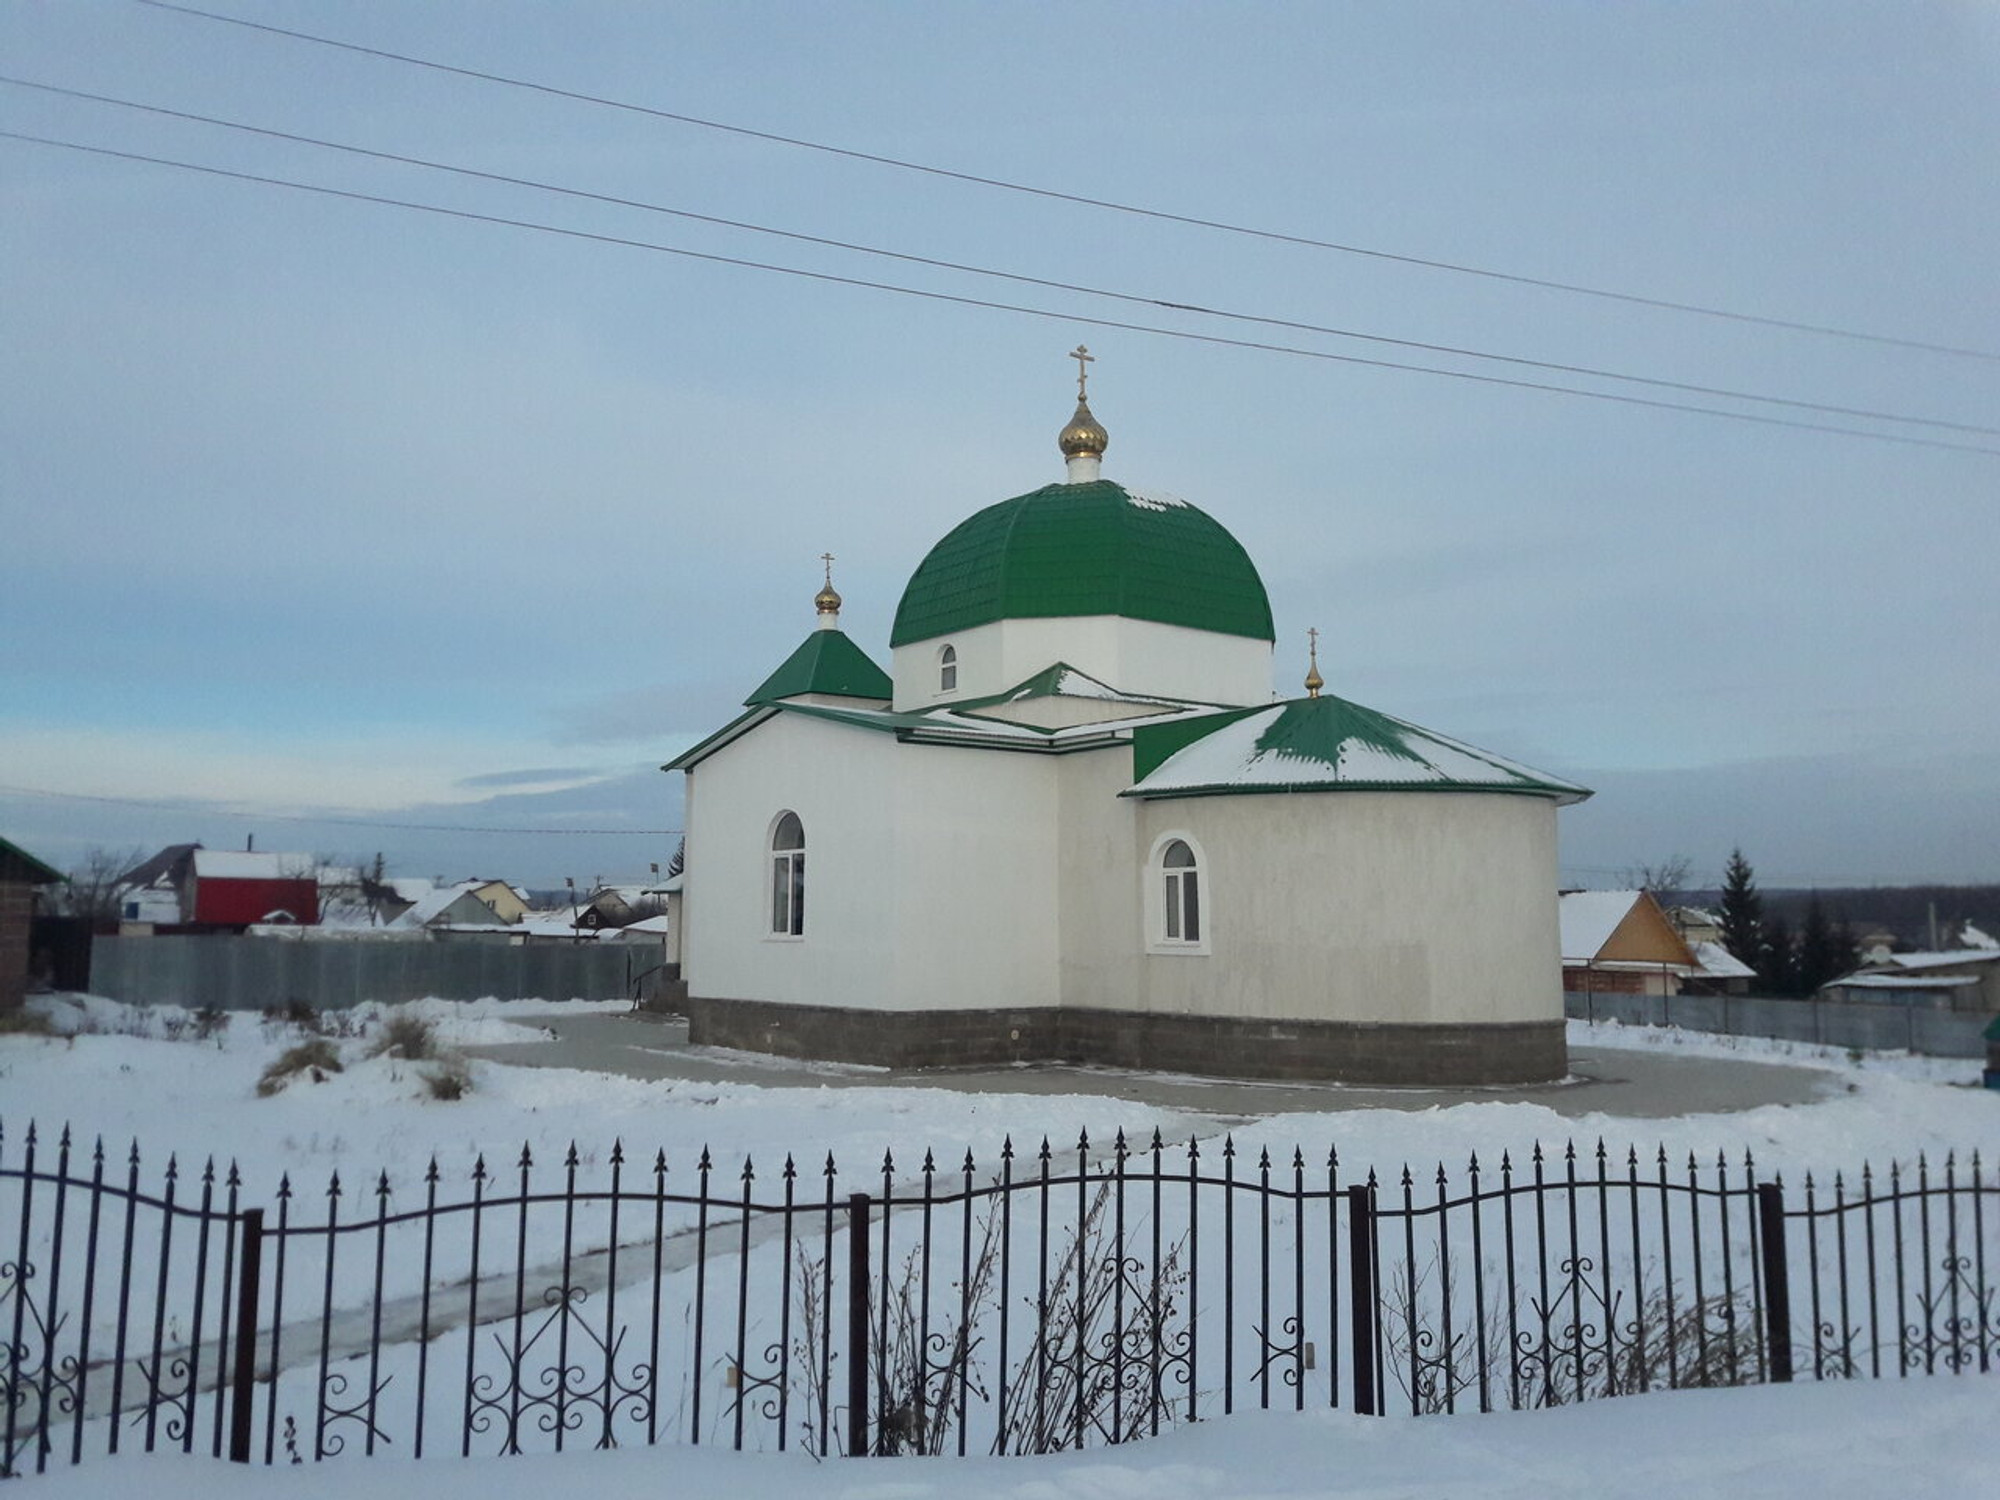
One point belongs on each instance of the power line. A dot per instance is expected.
(214, 810)
(988, 304)
(1593, 372)
(1224, 226)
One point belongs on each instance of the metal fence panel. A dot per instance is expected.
(251, 973)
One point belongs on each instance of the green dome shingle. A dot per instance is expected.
(1085, 549)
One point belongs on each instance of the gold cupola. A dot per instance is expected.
(827, 600)
(1084, 440)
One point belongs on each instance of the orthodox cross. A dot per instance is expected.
(827, 558)
(1083, 357)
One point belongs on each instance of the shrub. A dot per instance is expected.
(210, 1022)
(25, 1023)
(450, 1080)
(407, 1036)
(315, 1059)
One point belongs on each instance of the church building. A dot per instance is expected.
(1072, 822)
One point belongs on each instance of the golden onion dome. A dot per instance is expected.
(1084, 435)
(827, 601)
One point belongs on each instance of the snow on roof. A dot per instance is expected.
(1589, 918)
(242, 864)
(436, 900)
(1718, 962)
(411, 887)
(1327, 744)
(1904, 982)
(1972, 937)
(1153, 499)
(1956, 958)
(645, 927)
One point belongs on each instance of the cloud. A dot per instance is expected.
(529, 778)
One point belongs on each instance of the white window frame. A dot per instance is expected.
(784, 924)
(1166, 906)
(947, 669)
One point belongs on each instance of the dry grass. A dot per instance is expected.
(314, 1059)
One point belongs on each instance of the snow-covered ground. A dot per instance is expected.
(163, 1078)
(125, 1079)
(1860, 1441)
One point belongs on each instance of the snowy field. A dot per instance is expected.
(175, 1085)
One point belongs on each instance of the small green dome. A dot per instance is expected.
(1085, 549)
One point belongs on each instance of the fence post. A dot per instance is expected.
(243, 1378)
(857, 1325)
(1777, 1286)
(1364, 1305)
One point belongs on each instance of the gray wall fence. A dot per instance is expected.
(1834, 1023)
(252, 973)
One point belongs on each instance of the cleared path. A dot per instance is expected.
(1644, 1085)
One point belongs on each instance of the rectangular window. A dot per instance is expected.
(1174, 908)
(781, 916)
(1191, 895)
(799, 894)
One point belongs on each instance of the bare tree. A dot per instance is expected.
(95, 884)
(1664, 881)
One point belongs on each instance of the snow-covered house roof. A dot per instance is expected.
(1718, 962)
(1323, 744)
(1588, 918)
(1622, 929)
(244, 864)
(451, 905)
(1956, 958)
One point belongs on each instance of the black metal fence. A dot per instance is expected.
(1054, 1299)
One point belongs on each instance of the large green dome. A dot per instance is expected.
(1085, 549)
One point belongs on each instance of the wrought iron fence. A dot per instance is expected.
(1050, 1299)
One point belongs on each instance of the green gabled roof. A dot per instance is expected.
(826, 662)
(1085, 549)
(1321, 745)
(17, 863)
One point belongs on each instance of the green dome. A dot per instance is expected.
(1085, 549)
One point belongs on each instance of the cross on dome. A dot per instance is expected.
(826, 601)
(1084, 440)
(1314, 682)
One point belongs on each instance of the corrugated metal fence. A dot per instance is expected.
(1833, 1023)
(251, 973)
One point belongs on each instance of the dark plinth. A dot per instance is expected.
(1301, 1051)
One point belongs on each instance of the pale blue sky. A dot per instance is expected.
(314, 506)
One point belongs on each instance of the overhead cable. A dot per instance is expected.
(1666, 304)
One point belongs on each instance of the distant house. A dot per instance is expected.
(621, 905)
(1621, 943)
(1959, 979)
(187, 885)
(20, 873)
(509, 902)
(447, 908)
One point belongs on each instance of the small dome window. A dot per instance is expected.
(948, 670)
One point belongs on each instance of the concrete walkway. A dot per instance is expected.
(1644, 1085)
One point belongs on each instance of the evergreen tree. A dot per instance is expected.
(679, 862)
(1742, 912)
(1778, 963)
(1820, 958)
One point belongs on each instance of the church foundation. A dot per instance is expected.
(1373, 1053)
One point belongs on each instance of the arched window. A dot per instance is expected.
(948, 670)
(1181, 908)
(788, 877)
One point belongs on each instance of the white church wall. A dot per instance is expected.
(927, 884)
(1134, 656)
(1364, 906)
(837, 779)
(977, 920)
(1096, 871)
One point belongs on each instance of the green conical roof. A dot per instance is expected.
(826, 662)
(1085, 549)
(1321, 744)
